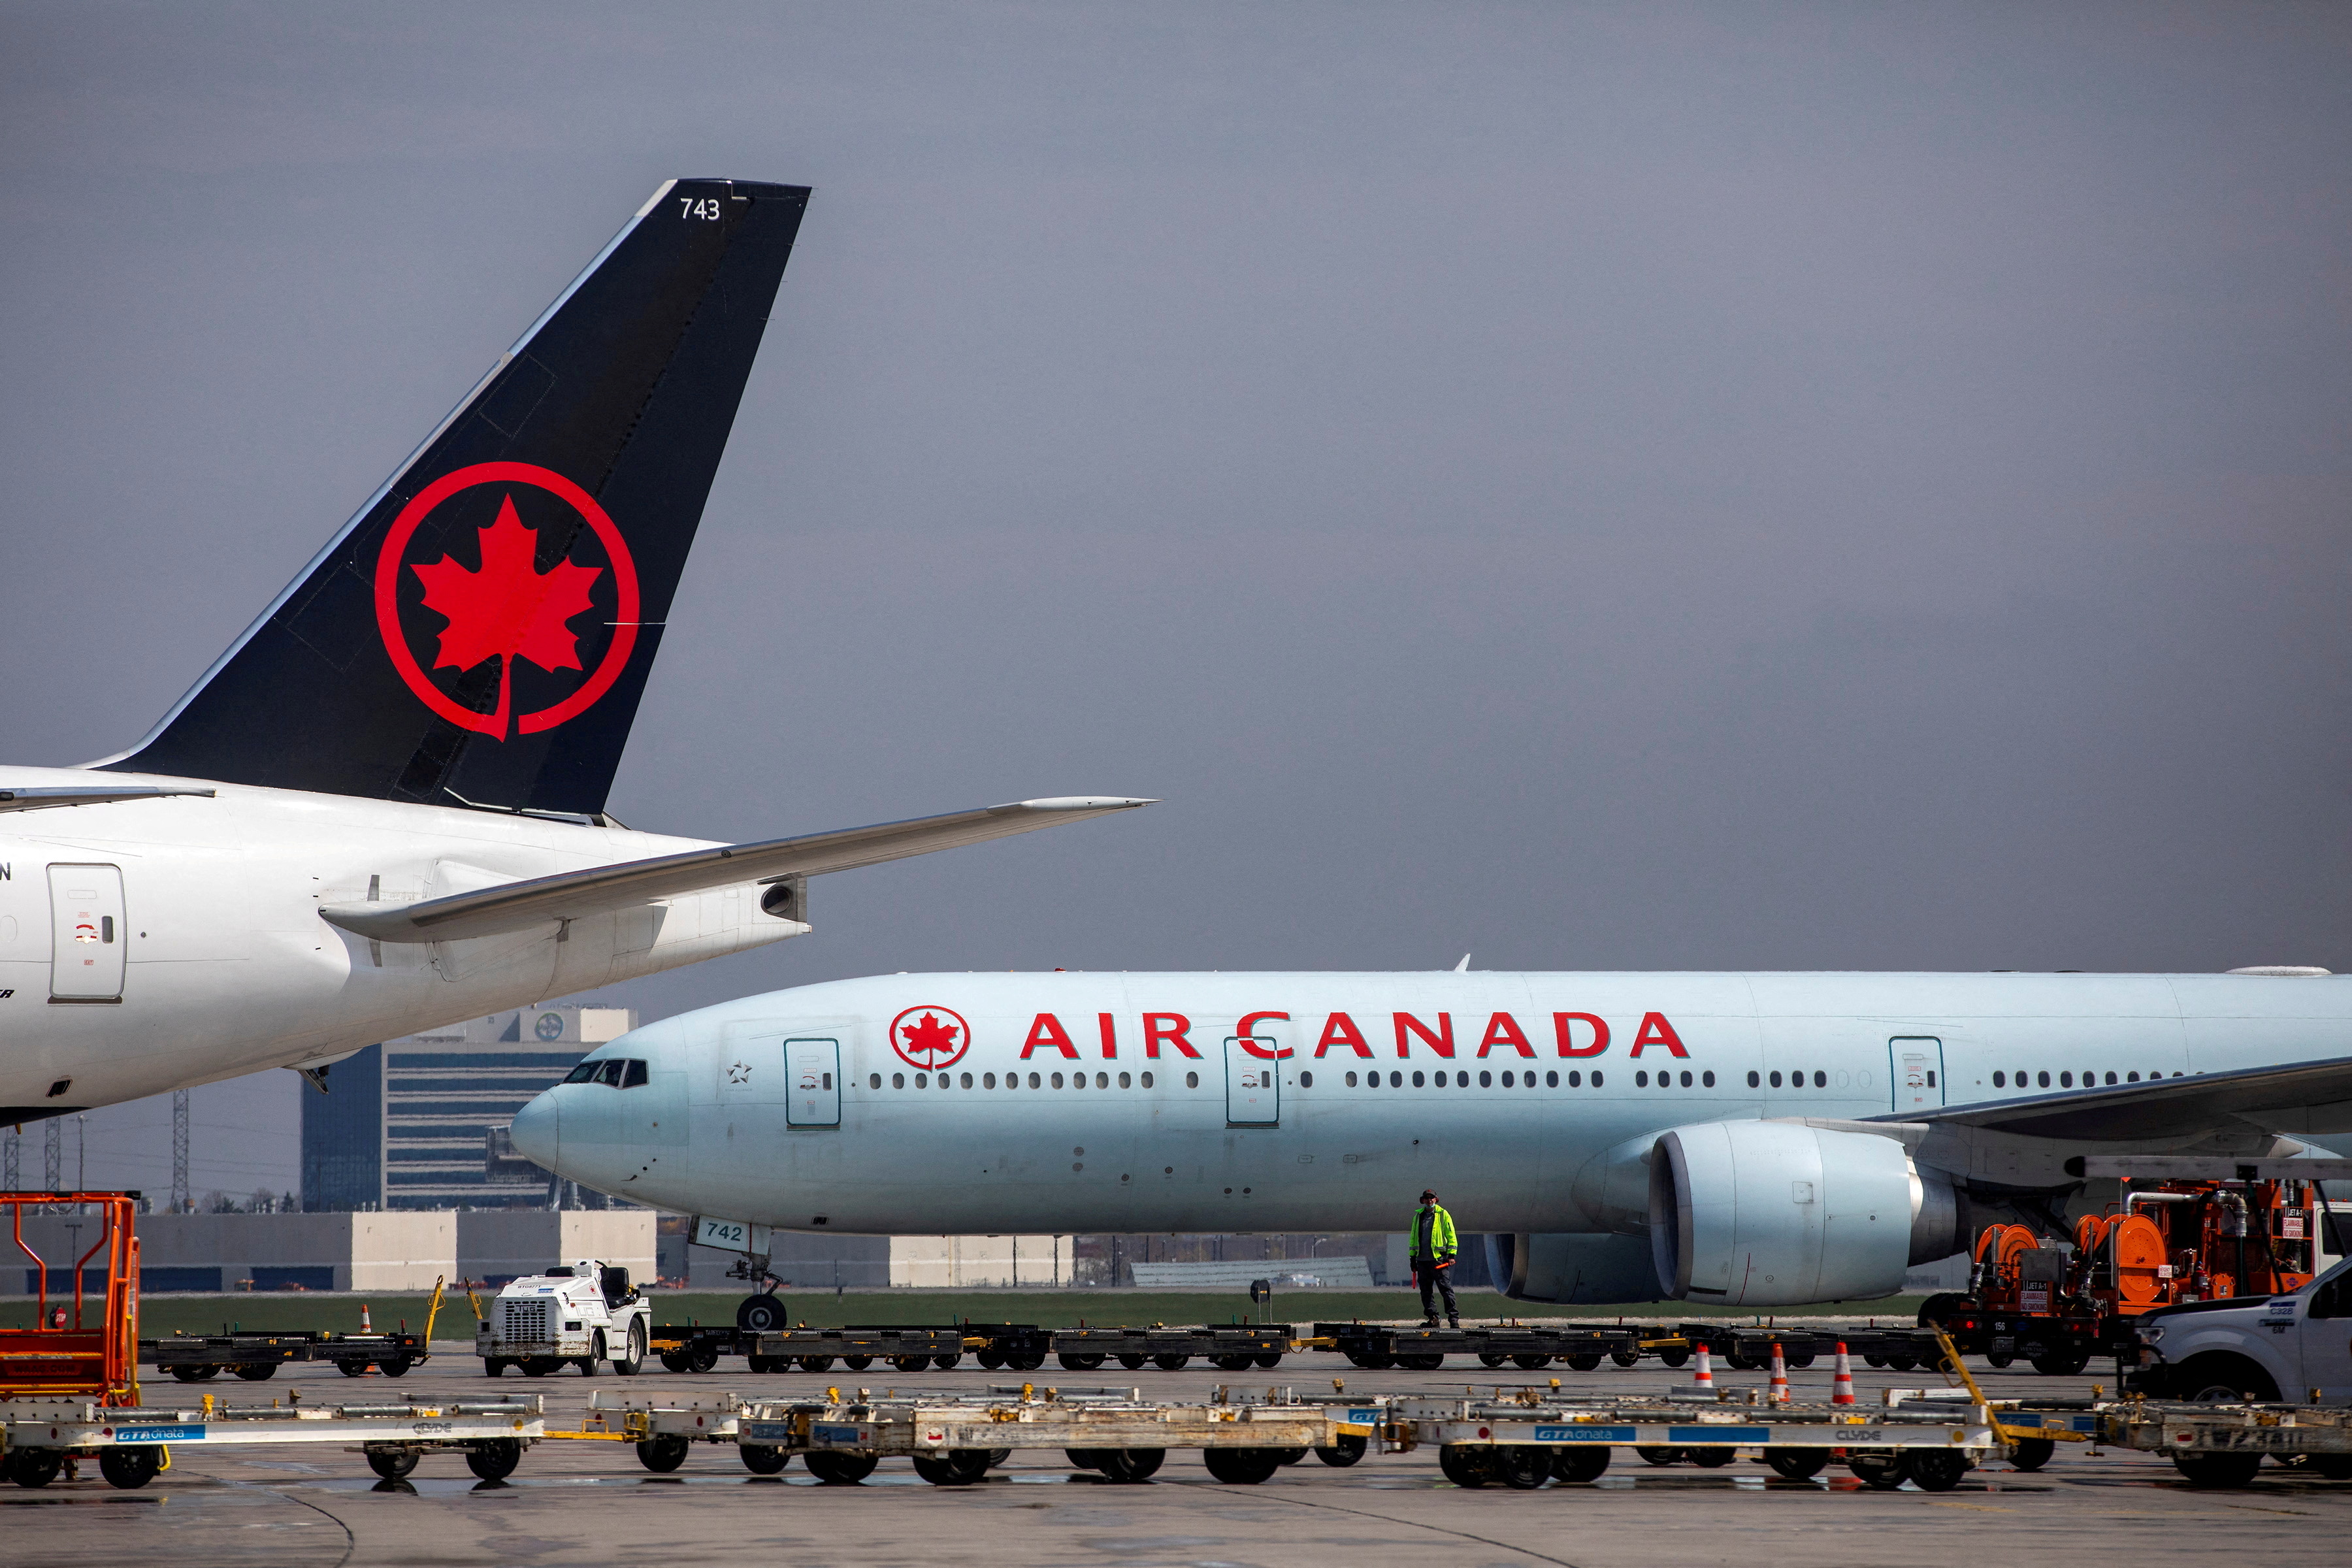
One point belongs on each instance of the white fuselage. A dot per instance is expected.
(1142, 1102)
(150, 944)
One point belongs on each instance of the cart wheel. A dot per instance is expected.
(835, 1468)
(1797, 1464)
(1584, 1361)
(2061, 1363)
(1129, 1465)
(1269, 1358)
(1936, 1469)
(2031, 1453)
(1798, 1356)
(1658, 1453)
(1133, 1363)
(192, 1374)
(1078, 1361)
(396, 1366)
(1530, 1361)
(990, 1359)
(1428, 1361)
(1626, 1358)
(1675, 1355)
(955, 1468)
(2331, 1467)
(1345, 1450)
(996, 1457)
(1999, 1359)
(704, 1359)
(1491, 1359)
(392, 1464)
(1880, 1468)
(1739, 1362)
(352, 1368)
(1522, 1467)
(946, 1362)
(2217, 1469)
(662, 1455)
(36, 1467)
(1233, 1362)
(1170, 1363)
(857, 1362)
(1463, 1464)
(1580, 1464)
(764, 1459)
(817, 1363)
(1899, 1362)
(130, 1465)
(633, 1356)
(673, 1362)
(496, 1459)
(1712, 1458)
(492, 1366)
(1241, 1466)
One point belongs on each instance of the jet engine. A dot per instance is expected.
(1589, 1271)
(1769, 1214)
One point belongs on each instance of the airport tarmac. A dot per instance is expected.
(592, 1502)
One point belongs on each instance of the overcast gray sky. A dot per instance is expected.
(1643, 486)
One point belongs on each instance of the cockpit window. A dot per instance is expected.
(618, 1072)
(584, 1073)
(635, 1075)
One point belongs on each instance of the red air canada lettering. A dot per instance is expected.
(1574, 1035)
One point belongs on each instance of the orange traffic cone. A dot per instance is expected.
(1778, 1393)
(365, 1327)
(1842, 1385)
(1705, 1380)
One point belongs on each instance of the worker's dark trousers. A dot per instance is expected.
(1434, 1282)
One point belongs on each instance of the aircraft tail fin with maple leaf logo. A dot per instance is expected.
(480, 633)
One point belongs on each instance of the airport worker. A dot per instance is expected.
(1434, 1248)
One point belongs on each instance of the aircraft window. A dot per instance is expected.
(1191, 1080)
(1755, 1079)
(874, 1080)
(988, 1081)
(1931, 1078)
(1776, 1079)
(2111, 1077)
(967, 1080)
(1687, 1083)
(2000, 1081)
(945, 1084)
(1057, 1080)
(633, 1075)
(1351, 1080)
(1640, 1080)
(1507, 1080)
(1146, 1080)
(1102, 1080)
(1305, 1079)
(609, 1071)
(1707, 1081)
(2065, 1081)
(1034, 1081)
(1486, 1080)
(1396, 1081)
(1122, 1081)
(584, 1073)
(2045, 1080)
(1416, 1080)
(898, 1080)
(922, 1080)
(2131, 1077)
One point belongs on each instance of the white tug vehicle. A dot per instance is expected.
(580, 1313)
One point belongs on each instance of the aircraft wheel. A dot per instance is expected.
(762, 1314)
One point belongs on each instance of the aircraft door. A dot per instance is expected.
(1253, 1074)
(87, 934)
(1916, 1065)
(813, 1070)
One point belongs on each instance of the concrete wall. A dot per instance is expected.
(940, 1262)
(496, 1245)
(276, 1251)
(880, 1262)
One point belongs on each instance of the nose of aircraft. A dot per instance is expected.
(536, 1131)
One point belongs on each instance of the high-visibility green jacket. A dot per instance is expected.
(1432, 1235)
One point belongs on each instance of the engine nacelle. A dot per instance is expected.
(1589, 1271)
(1774, 1214)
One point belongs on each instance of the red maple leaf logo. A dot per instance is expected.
(929, 1038)
(508, 608)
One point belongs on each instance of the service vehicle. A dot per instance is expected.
(2293, 1346)
(576, 1314)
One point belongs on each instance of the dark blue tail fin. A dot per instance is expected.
(481, 632)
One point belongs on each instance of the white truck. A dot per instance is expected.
(577, 1314)
(2296, 1347)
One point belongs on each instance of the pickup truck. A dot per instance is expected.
(2296, 1347)
(577, 1314)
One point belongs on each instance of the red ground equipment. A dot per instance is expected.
(82, 1343)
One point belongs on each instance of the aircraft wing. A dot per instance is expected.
(599, 889)
(2304, 1097)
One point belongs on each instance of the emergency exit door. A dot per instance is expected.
(814, 1070)
(1253, 1083)
(1915, 1064)
(87, 939)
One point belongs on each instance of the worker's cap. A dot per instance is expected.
(1427, 1193)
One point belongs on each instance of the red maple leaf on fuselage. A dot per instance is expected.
(929, 1037)
(508, 608)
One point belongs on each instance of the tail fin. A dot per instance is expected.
(481, 632)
